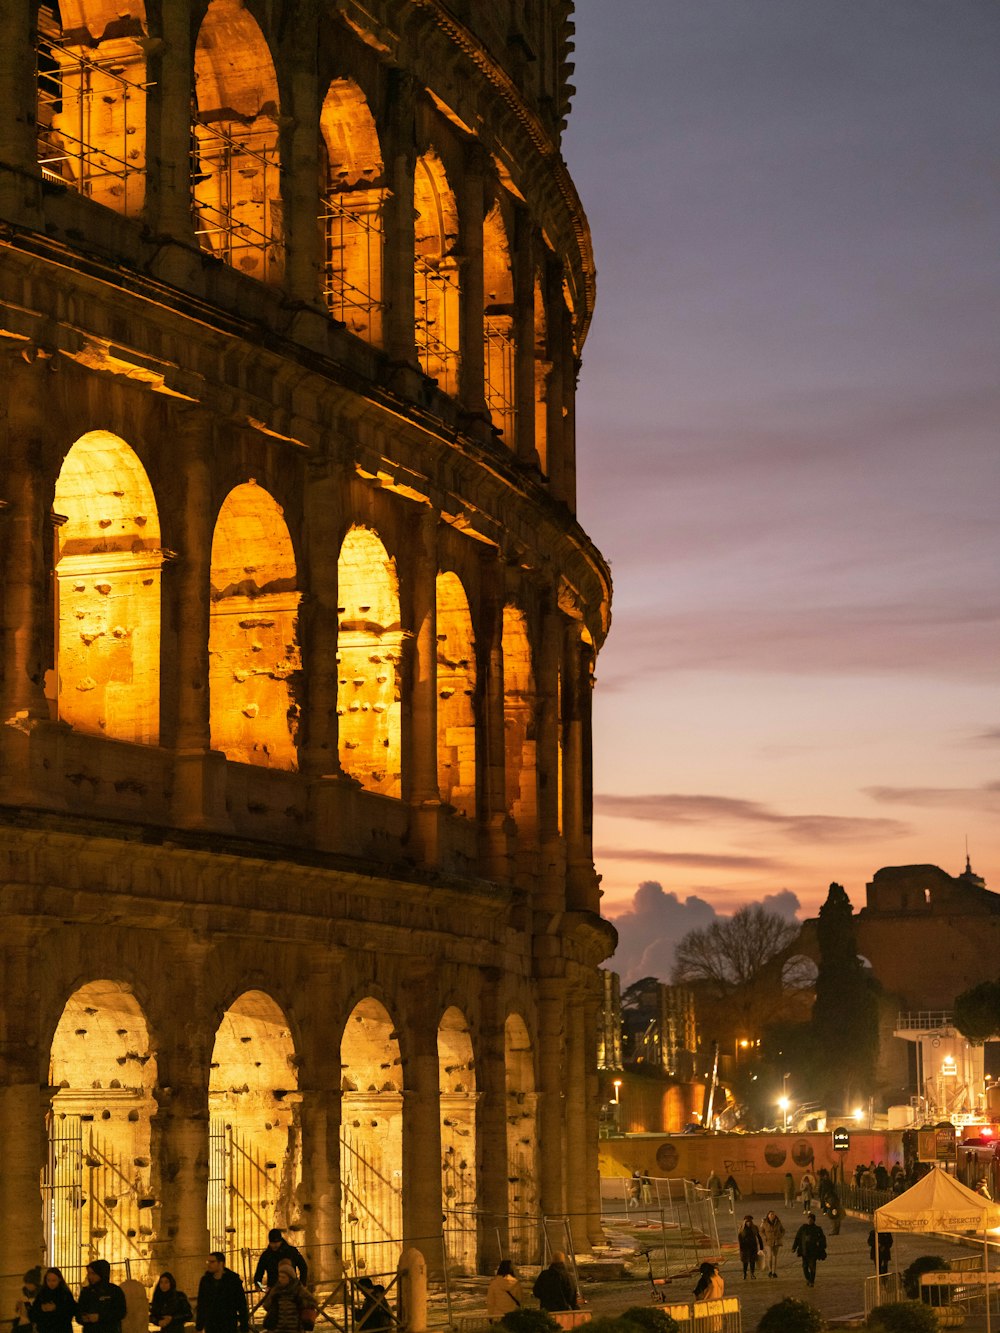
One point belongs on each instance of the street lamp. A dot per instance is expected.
(783, 1104)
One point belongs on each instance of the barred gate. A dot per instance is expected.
(372, 1205)
(242, 1193)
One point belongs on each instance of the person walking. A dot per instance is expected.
(504, 1292)
(222, 1302)
(554, 1288)
(169, 1309)
(810, 1245)
(714, 1186)
(772, 1231)
(751, 1244)
(789, 1189)
(101, 1305)
(646, 1186)
(54, 1306)
(807, 1188)
(266, 1273)
(711, 1285)
(834, 1212)
(288, 1306)
(732, 1188)
(884, 1239)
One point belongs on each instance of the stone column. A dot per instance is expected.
(591, 1135)
(551, 1036)
(323, 501)
(180, 1132)
(575, 1094)
(301, 152)
(556, 317)
(548, 658)
(199, 774)
(492, 1167)
(320, 1188)
(491, 746)
(170, 60)
(471, 212)
(581, 881)
(420, 754)
(399, 243)
(524, 337)
(17, 97)
(422, 1211)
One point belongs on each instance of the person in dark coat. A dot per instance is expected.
(30, 1283)
(266, 1272)
(222, 1302)
(101, 1305)
(373, 1314)
(554, 1288)
(884, 1248)
(53, 1308)
(169, 1309)
(289, 1307)
(810, 1245)
(751, 1243)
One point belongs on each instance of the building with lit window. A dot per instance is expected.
(300, 919)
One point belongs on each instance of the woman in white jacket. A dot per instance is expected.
(504, 1292)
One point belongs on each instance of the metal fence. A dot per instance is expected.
(708, 1316)
(673, 1220)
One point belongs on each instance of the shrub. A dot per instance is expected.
(791, 1316)
(649, 1319)
(529, 1321)
(903, 1317)
(927, 1263)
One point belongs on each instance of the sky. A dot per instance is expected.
(788, 447)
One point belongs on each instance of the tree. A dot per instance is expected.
(977, 1012)
(845, 1014)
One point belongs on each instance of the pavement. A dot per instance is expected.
(839, 1289)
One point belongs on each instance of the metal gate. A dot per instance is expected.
(242, 1193)
(372, 1205)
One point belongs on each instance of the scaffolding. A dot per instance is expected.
(352, 268)
(436, 323)
(90, 118)
(236, 197)
(498, 365)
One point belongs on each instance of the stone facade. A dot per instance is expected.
(300, 919)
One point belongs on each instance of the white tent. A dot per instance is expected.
(939, 1203)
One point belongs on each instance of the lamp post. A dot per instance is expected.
(783, 1106)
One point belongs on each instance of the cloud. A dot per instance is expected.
(649, 931)
(677, 808)
(986, 797)
(699, 860)
(988, 737)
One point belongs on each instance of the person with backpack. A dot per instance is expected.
(810, 1245)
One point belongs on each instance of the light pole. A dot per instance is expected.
(783, 1106)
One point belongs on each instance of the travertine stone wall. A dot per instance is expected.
(297, 636)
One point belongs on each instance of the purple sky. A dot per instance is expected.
(789, 442)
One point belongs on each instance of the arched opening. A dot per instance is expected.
(519, 707)
(456, 688)
(108, 561)
(235, 178)
(369, 650)
(543, 374)
(457, 1081)
(255, 1160)
(436, 274)
(522, 1143)
(96, 1184)
(371, 1142)
(352, 211)
(253, 648)
(498, 325)
(91, 99)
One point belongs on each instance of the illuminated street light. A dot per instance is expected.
(783, 1105)
(859, 1115)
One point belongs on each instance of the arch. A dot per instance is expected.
(352, 214)
(499, 350)
(255, 1157)
(522, 1140)
(520, 722)
(235, 182)
(542, 377)
(107, 603)
(96, 1185)
(456, 689)
(437, 288)
(369, 652)
(254, 659)
(371, 1137)
(457, 1084)
(91, 100)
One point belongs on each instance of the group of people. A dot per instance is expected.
(49, 1306)
(554, 1289)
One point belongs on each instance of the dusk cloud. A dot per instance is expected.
(649, 931)
(986, 797)
(698, 860)
(677, 808)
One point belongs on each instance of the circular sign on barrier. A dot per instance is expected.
(666, 1157)
(774, 1154)
(802, 1153)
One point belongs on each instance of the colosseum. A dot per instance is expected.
(300, 919)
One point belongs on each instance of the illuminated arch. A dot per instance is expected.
(236, 176)
(98, 1174)
(352, 215)
(254, 1149)
(456, 690)
(254, 659)
(519, 718)
(371, 1144)
(369, 651)
(522, 1141)
(498, 325)
(107, 592)
(457, 1082)
(436, 275)
(91, 100)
